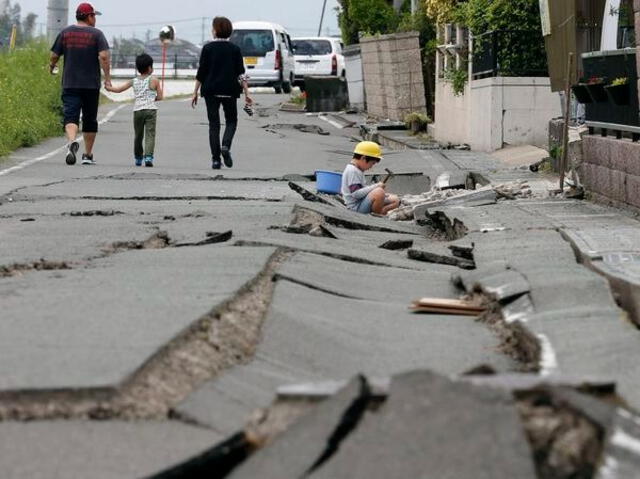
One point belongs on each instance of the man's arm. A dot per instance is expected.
(105, 62)
(53, 61)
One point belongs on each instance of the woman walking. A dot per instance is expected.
(221, 78)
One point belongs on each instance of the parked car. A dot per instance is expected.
(268, 54)
(317, 56)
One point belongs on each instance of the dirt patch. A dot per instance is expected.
(516, 341)
(442, 228)
(565, 443)
(94, 213)
(157, 240)
(40, 265)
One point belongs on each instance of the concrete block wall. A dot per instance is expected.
(392, 67)
(611, 170)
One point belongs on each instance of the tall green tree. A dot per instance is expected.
(10, 15)
(368, 17)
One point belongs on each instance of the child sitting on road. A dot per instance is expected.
(147, 90)
(357, 196)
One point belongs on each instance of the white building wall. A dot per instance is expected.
(494, 112)
(451, 114)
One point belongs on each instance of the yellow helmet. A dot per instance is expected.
(368, 148)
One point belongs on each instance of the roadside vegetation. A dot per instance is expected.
(30, 105)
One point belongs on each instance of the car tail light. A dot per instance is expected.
(334, 65)
(278, 60)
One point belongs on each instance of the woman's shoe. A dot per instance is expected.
(226, 156)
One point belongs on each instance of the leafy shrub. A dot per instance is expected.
(30, 105)
(369, 17)
(520, 45)
(458, 78)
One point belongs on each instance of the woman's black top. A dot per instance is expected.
(220, 68)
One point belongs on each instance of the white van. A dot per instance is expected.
(268, 54)
(318, 56)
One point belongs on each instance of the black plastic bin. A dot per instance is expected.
(326, 93)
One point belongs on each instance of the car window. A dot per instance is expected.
(312, 47)
(289, 45)
(253, 43)
(283, 40)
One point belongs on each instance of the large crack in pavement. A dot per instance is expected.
(17, 269)
(226, 336)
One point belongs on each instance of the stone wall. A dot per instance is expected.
(611, 170)
(392, 66)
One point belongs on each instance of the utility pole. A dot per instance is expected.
(324, 7)
(57, 17)
(413, 6)
(203, 20)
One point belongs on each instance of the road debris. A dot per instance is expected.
(447, 306)
(297, 126)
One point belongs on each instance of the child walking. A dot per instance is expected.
(357, 196)
(147, 90)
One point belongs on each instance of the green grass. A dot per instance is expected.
(30, 105)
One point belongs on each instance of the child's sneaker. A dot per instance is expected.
(72, 149)
(138, 161)
(88, 159)
(148, 161)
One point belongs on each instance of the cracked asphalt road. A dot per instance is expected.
(128, 354)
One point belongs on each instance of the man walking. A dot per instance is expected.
(85, 50)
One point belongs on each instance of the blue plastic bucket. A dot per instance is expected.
(328, 182)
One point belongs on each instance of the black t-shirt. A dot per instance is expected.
(220, 66)
(80, 47)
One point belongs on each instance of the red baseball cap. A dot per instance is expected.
(86, 9)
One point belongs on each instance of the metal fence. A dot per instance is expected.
(174, 61)
(516, 53)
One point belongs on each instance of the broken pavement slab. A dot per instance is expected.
(101, 341)
(416, 429)
(96, 449)
(481, 197)
(301, 342)
(351, 220)
(503, 285)
(140, 189)
(384, 284)
(294, 453)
